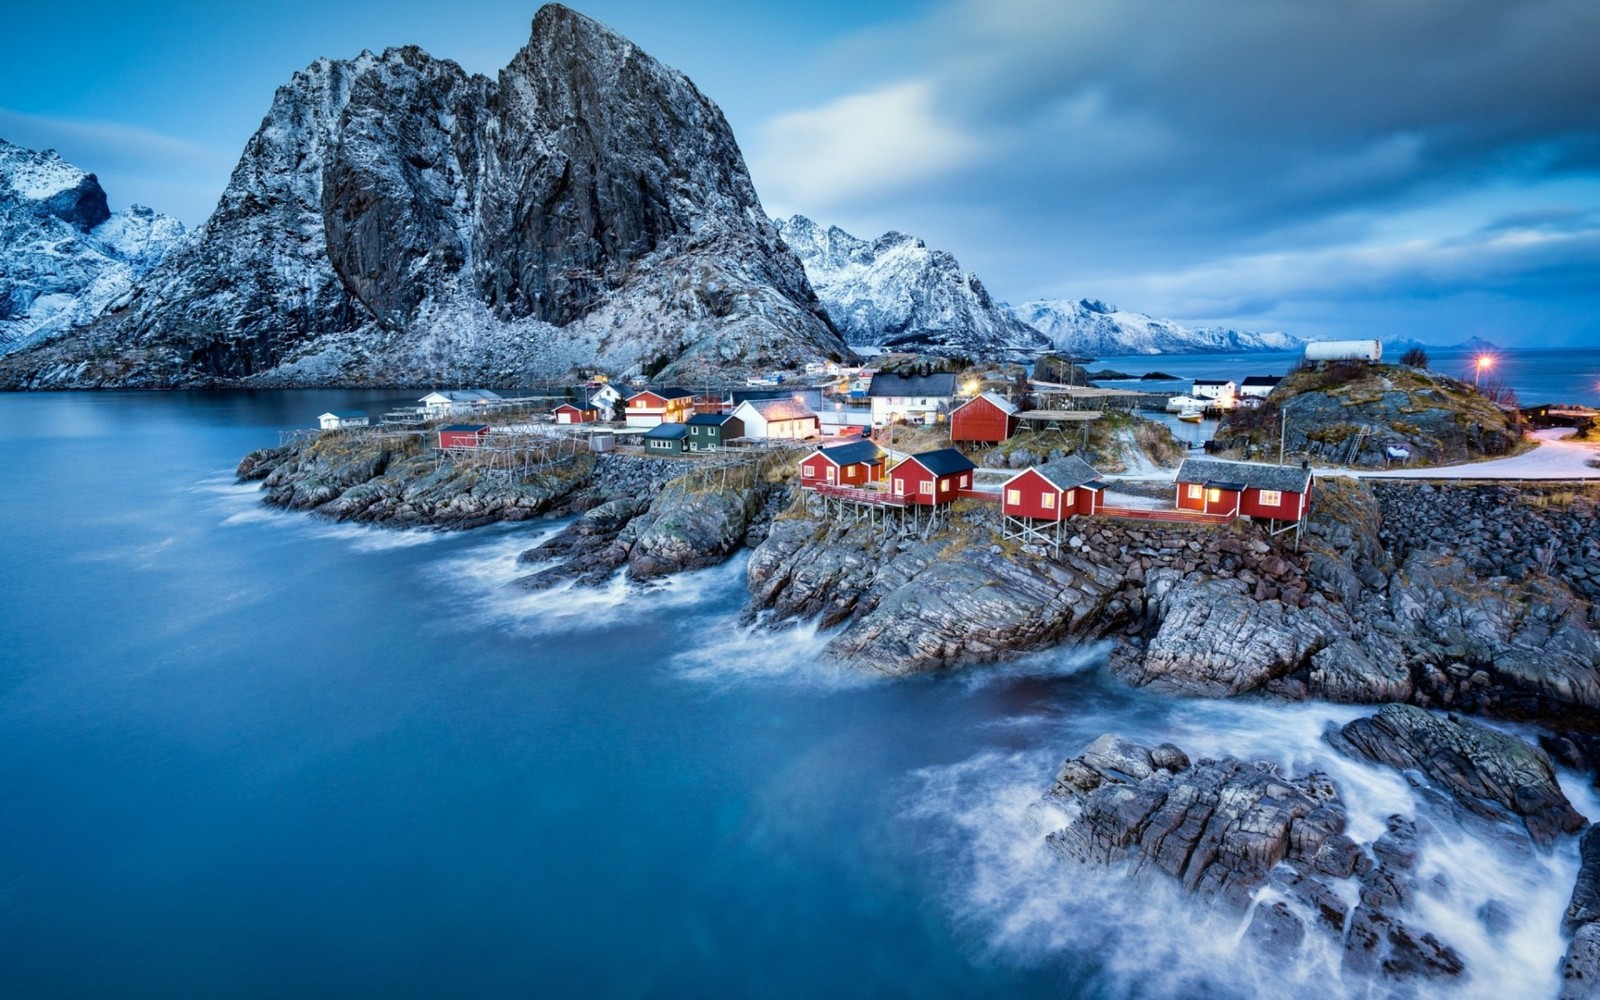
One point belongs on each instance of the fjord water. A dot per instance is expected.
(247, 753)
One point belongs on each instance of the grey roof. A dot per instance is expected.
(1237, 475)
(942, 384)
(577, 406)
(346, 414)
(943, 462)
(1066, 473)
(713, 419)
(786, 408)
(667, 432)
(738, 396)
(1211, 381)
(850, 454)
(466, 427)
(465, 395)
(1003, 404)
(1262, 380)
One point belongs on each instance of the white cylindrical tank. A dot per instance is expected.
(1344, 350)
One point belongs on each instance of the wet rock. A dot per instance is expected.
(1490, 773)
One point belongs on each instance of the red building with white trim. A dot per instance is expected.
(463, 435)
(1067, 487)
(571, 413)
(931, 478)
(650, 407)
(987, 417)
(856, 464)
(1275, 492)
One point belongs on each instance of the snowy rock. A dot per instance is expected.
(1091, 328)
(895, 292)
(64, 256)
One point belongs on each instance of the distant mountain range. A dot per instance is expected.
(1091, 328)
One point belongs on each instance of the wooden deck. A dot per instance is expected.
(854, 494)
(1170, 516)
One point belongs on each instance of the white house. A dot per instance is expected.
(331, 421)
(606, 399)
(1223, 392)
(783, 419)
(1258, 386)
(915, 399)
(447, 402)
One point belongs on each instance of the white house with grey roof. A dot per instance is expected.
(917, 399)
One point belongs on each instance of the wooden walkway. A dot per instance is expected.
(1171, 516)
(852, 494)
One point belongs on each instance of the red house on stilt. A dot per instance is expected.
(854, 464)
(931, 478)
(987, 417)
(1276, 492)
(1057, 490)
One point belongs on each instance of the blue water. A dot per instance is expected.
(250, 754)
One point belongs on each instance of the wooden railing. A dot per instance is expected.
(857, 495)
(1178, 516)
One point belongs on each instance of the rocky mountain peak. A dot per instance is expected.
(43, 184)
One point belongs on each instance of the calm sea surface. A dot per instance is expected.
(251, 754)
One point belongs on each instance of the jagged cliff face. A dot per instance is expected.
(395, 219)
(64, 256)
(895, 292)
(1089, 327)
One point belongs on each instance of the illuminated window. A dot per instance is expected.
(1072, 498)
(1013, 496)
(1049, 501)
(944, 486)
(1213, 496)
(830, 473)
(899, 487)
(1271, 498)
(927, 489)
(1195, 492)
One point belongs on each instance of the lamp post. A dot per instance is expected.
(1283, 429)
(1484, 361)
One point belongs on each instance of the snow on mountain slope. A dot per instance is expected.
(895, 292)
(1091, 328)
(64, 256)
(395, 219)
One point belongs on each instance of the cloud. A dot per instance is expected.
(860, 146)
(1271, 149)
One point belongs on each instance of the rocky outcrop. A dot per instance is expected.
(895, 292)
(1580, 971)
(395, 217)
(1492, 774)
(1226, 830)
(64, 255)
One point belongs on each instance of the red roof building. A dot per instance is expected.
(463, 435)
(931, 478)
(987, 417)
(570, 413)
(650, 407)
(1275, 492)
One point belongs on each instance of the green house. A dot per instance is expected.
(672, 439)
(713, 431)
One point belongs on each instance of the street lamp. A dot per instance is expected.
(1283, 427)
(1484, 362)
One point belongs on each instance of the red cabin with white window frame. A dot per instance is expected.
(1275, 492)
(987, 417)
(1067, 487)
(859, 463)
(931, 478)
(463, 435)
(571, 413)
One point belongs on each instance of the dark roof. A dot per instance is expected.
(850, 454)
(667, 432)
(1262, 380)
(942, 384)
(995, 400)
(714, 419)
(665, 392)
(345, 414)
(943, 462)
(740, 395)
(1211, 381)
(1067, 472)
(577, 406)
(477, 428)
(1242, 475)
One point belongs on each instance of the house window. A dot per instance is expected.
(1049, 501)
(1271, 498)
(1213, 495)
(944, 486)
(830, 474)
(1196, 492)
(927, 489)
(899, 487)
(1071, 498)
(1013, 496)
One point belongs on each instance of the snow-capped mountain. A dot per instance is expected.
(395, 219)
(1091, 328)
(64, 256)
(895, 292)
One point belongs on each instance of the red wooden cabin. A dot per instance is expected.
(1278, 492)
(1054, 491)
(854, 464)
(650, 407)
(986, 417)
(463, 435)
(931, 478)
(571, 413)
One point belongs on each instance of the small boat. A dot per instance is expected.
(1190, 416)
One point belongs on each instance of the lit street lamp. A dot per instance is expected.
(1485, 361)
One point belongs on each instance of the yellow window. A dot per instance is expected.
(1213, 496)
(1271, 498)
(1196, 492)
(1049, 501)
(1013, 496)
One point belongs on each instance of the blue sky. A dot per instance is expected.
(1426, 168)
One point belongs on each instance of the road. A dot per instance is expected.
(1554, 458)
